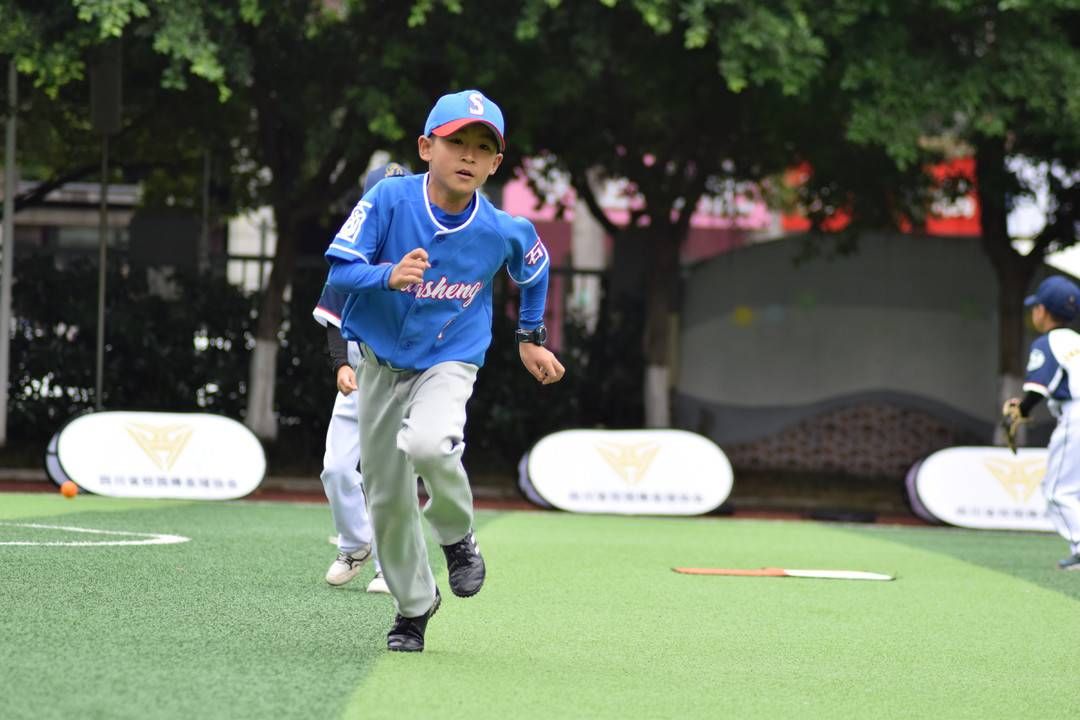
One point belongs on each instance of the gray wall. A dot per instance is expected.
(905, 320)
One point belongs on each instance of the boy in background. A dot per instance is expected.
(1053, 373)
(342, 483)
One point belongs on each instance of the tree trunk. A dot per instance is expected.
(646, 257)
(1014, 272)
(261, 417)
(261, 375)
(661, 280)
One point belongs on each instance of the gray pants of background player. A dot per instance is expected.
(413, 424)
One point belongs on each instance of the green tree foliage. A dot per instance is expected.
(185, 350)
(182, 352)
(509, 411)
(998, 80)
(166, 132)
(291, 98)
(177, 347)
(305, 93)
(673, 97)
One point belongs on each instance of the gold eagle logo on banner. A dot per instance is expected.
(630, 461)
(1019, 477)
(162, 444)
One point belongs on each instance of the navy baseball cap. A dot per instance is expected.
(456, 110)
(392, 169)
(1057, 294)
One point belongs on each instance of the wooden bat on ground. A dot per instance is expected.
(784, 572)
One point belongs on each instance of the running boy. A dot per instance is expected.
(1053, 372)
(417, 256)
(342, 483)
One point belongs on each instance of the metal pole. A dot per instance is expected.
(103, 237)
(204, 231)
(11, 178)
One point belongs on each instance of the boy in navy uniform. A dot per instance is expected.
(1053, 373)
(417, 257)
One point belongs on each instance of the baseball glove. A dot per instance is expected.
(1011, 420)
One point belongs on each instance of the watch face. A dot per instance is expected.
(537, 336)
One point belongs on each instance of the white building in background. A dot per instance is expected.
(252, 240)
(68, 222)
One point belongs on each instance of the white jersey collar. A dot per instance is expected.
(443, 230)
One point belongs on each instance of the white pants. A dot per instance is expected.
(343, 484)
(1061, 484)
(413, 424)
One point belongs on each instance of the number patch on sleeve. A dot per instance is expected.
(351, 229)
(536, 254)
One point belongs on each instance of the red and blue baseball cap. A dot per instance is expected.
(1059, 295)
(391, 169)
(456, 110)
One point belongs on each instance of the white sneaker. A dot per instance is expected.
(347, 566)
(378, 584)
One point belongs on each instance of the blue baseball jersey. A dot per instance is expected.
(447, 317)
(1053, 368)
(330, 307)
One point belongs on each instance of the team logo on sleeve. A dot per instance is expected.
(351, 229)
(536, 254)
(1036, 360)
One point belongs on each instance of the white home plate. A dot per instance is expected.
(137, 537)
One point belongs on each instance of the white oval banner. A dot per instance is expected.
(192, 456)
(987, 488)
(630, 472)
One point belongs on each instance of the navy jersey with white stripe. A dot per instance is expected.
(447, 317)
(330, 307)
(1053, 368)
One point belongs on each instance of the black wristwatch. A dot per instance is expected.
(536, 336)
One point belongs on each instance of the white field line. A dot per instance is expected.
(144, 538)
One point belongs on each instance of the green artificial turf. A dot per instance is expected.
(581, 617)
(236, 623)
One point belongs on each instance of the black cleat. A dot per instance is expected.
(407, 635)
(465, 566)
(1070, 563)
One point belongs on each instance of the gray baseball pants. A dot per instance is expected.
(413, 424)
